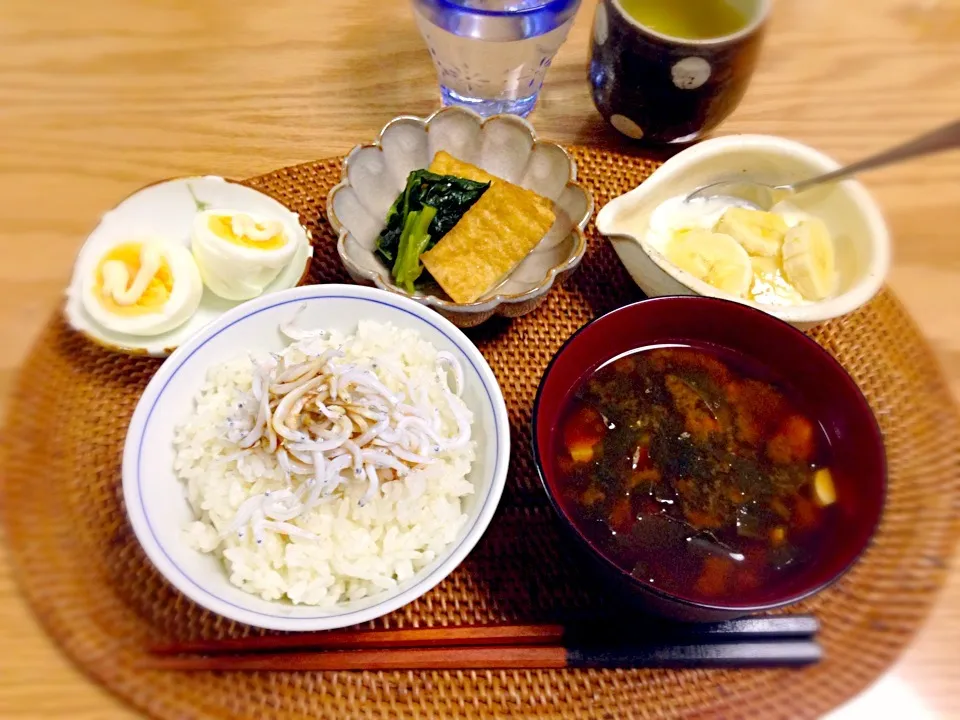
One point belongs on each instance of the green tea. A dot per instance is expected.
(687, 19)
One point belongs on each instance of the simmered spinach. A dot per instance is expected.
(427, 209)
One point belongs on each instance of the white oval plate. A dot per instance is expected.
(167, 209)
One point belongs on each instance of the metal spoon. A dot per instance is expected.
(944, 138)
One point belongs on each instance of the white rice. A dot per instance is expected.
(361, 551)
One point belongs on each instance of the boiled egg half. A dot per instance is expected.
(239, 253)
(142, 287)
(138, 282)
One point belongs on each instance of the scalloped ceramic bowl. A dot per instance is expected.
(503, 145)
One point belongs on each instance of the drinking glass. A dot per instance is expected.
(491, 55)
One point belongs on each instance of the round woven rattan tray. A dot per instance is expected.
(97, 595)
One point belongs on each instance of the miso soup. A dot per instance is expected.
(696, 473)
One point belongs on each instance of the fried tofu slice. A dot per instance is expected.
(446, 164)
(492, 237)
(490, 240)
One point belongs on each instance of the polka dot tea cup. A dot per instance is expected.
(662, 89)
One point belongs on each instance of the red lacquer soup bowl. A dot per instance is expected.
(777, 353)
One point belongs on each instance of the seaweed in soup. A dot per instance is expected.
(699, 473)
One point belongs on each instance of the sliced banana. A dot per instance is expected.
(760, 233)
(715, 258)
(808, 259)
(765, 265)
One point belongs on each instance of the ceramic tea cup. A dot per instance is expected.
(663, 89)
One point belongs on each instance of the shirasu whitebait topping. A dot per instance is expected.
(329, 420)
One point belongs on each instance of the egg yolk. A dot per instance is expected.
(222, 227)
(155, 295)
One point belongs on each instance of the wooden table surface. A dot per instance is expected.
(100, 97)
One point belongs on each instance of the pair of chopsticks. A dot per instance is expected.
(777, 641)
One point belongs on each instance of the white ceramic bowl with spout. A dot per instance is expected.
(861, 237)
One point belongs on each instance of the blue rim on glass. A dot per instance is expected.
(517, 20)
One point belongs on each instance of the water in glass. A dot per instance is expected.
(492, 55)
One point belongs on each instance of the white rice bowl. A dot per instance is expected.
(360, 551)
(180, 486)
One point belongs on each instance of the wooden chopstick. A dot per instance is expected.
(775, 653)
(782, 626)
(472, 636)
